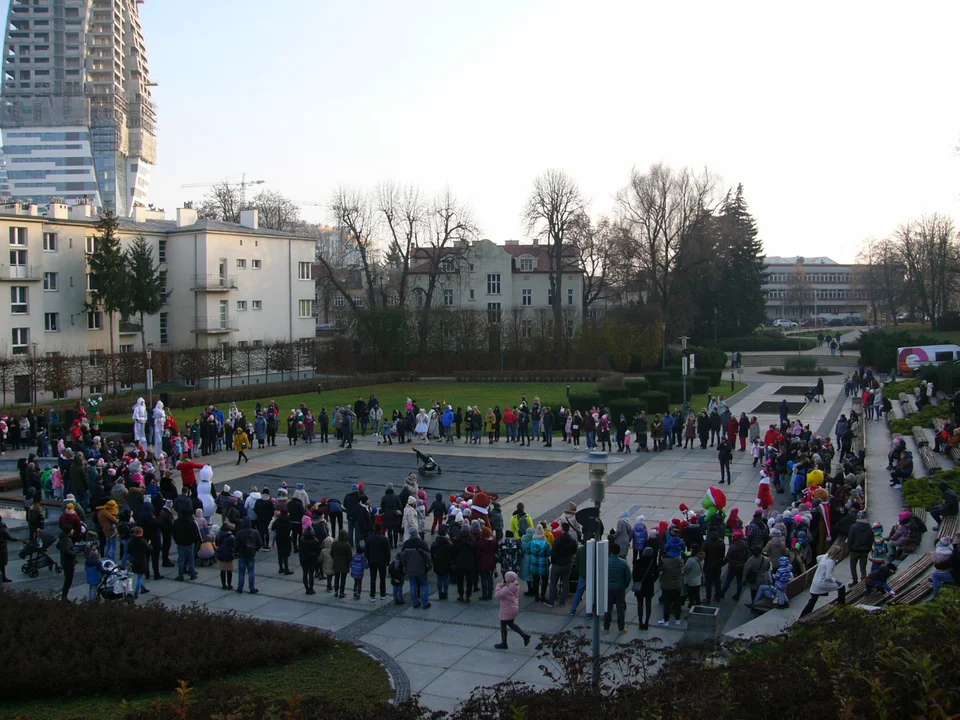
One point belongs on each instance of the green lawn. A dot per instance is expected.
(698, 402)
(393, 396)
(333, 675)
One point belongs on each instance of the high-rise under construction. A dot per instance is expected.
(75, 107)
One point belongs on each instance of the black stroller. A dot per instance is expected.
(35, 554)
(427, 463)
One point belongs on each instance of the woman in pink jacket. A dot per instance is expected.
(508, 593)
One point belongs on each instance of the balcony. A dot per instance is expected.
(129, 328)
(21, 273)
(216, 325)
(213, 283)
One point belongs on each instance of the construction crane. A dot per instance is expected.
(243, 186)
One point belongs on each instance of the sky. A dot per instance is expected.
(840, 119)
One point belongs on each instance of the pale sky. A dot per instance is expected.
(839, 118)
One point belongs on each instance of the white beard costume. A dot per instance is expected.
(159, 418)
(140, 423)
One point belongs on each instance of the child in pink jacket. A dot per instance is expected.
(508, 593)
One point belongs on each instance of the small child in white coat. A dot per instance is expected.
(943, 551)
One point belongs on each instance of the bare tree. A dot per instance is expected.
(550, 213)
(402, 209)
(929, 252)
(223, 201)
(8, 369)
(881, 278)
(595, 243)
(663, 212)
(276, 211)
(800, 292)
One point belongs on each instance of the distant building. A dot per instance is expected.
(800, 288)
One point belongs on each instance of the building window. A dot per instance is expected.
(241, 305)
(164, 335)
(256, 264)
(21, 340)
(305, 308)
(94, 321)
(258, 304)
(338, 301)
(162, 251)
(526, 297)
(163, 280)
(358, 301)
(392, 301)
(448, 265)
(51, 322)
(569, 296)
(18, 300)
(18, 264)
(126, 348)
(526, 264)
(493, 313)
(49, 242)
(258, 343)
(91, 245)
(241, 264)
(50, 281)
(95, 356)
(304, 271)
(92, 284)
(526, 328)
(549, 297)
(471, 294)
(448, 297)
(18, 236)
(493, 283)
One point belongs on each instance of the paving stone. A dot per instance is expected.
(465, 635)
(327, 618)
(392, 645)
(437, 654)
(198, 593)
(420, 675)
(407, 628)
(459, 683)
(245, 603)
(491, 661)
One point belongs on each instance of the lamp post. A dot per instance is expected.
(664, 338)
(597, 548)
(149, 353)
(36, 372)
(684, 366)
(716, 313)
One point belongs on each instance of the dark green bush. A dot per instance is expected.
(584, 401)
(657, 402)
(802, 363)
(608, 395)
(188, 642)
(878, 348)
(944, 377)
(674, 388)
(766, 341)
(637, 386)
(707, 357)
(715, 377)
(655, 378)
(700, 384)
(628, 407)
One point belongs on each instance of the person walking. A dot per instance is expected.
(725, 455)
(508, 593)
(241, 442)
(859, 543)
(645, 574)
(824, 583)
(619, 578)
(417, 563)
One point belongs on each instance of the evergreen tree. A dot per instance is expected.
(106, 265)
(145, 285)
(740, 291)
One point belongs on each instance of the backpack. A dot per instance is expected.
(124, 530)
(250, 545)
(522, 524)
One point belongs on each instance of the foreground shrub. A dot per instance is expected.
(800, 362)
(923, 492)
(130, 649)
(923, 417)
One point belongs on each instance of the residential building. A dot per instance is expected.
(229, 284)
(801, 288)
(77, 115)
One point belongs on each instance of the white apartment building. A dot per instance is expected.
(801, 288)
(228, 284)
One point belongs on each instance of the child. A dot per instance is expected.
(755, 451)
(358, 563)
(421, 517)
(439, 511)
(241, 443)
(325, 568)
(395, 571)
(95, 572)
(627, 439)
(877, 579)
(878, 553)
(508, 593)
(943, 551)
(139, 551)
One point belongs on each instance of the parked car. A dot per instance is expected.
(783, 323)
(814, 322)
(835, 322)
(852, 321)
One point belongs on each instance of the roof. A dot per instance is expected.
(540, 252)
(776, 260)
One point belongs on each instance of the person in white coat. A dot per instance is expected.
(409, 515)
(205, 491)
(824, 582)
(140, 423)
(159, 418)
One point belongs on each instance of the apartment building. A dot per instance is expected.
(228, 284)
(77, 115)
(801, 288)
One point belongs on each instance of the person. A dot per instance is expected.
(241, 443)
(247, 545)
(671, 580)
(378, 557)
(725, 455)
(68, 561)
(465, 563)
(619, 578)
(756, 572)
(693, 576)
(948, 507)
(948, 572)
(417, 563)
(508, 593)
(227, 557)
(859, 543)
(486, 561)
(561, 558)
(325, 567)
(520, 521)
(877, 579)
(94, 573)
(714, 551)
(824, 583)
(737, 556)
(140, 551)
(282, 529)
(340, 554)
(540, 563)
(645, 573)
(358, 563)
(443, 553)
(186, 536)
(5, 537)
(309, 559)
(784, 410)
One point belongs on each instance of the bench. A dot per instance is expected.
(919, 513)
(930, 460)
(920, 436)
(907, 404)
(915, 594)
(955, 455)
(948, 528)
(939, 424)
(854, 595)
(900, 581)
(794, 588)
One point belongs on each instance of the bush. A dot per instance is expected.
(924, 493)
(715, 377)
(878, 348)
(656, 401)
(923, 417)
(608, 395)
(804, 363)
(700, 384)
(628, 407)
(475, 376)
(707, 357)
(944, 377)
(674, 388)
(584, 401)
(655, 378)
(189, 642)
(949, 321)
(637, 386)
(610, 380)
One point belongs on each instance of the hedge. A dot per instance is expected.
(800, 362)
(878, 348)
(767, 341)
(923, 417)
(608, 395)
(944, 377)
(715, 377)
(584, 401)
(924, 493)
(570, 376)
(637, 386)
(674, 388)
(701, 384)
(657, 402)
(628, 407)
(655, 378)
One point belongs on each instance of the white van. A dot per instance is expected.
(911, 359)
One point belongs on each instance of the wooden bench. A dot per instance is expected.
(930, 460)
(955, 455)
(900, 581)
(939, 424)
(920, 436)
(907, 404)
(794, 588)
(915, 594)
(919, 513)
(948, 528)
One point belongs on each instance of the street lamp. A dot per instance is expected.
(716, 312)
(684, 366)
(597, 548)
(148, 351)
(36, 372)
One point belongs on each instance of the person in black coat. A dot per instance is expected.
(68, 561)
(465, 564)
(378, 557)
(151, 533)
(263, 512)
(282, 528)
(443, 554)
(140, 552)
(392, 515)
(296, 510)
(309, 558)
(165, 516)
(645, 573)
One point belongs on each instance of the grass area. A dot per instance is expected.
(698, 402)
(393, 396)
(345, 677)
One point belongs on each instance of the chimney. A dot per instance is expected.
(140, 214)
(250, 219)
(536, 241)
(186, 216)
(80, 211)
(32, 210)
(58, 211)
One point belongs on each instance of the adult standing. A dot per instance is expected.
(140, 423)
(351, 506)
(378, 557)
(309, 559)
(561, 559)
(645, 574)
(392, 515)
(159, 419)
(725, 455)
(690, 431)
(619, 578)
(548, 420)
(540, 563)
(714, 552)
(415, 556)
(743, 430)
(68, 561)
(671, 581)
(859, 542)
(784, 411)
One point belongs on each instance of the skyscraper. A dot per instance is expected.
(75, 107)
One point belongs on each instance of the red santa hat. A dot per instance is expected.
(684, 507)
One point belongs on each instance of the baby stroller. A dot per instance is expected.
(427, 463)
(35, 554)
(115, 584)
(811, 395)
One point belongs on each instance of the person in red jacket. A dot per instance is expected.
(770, 437)
(486, 553)
(187, 476)
(732, 428)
